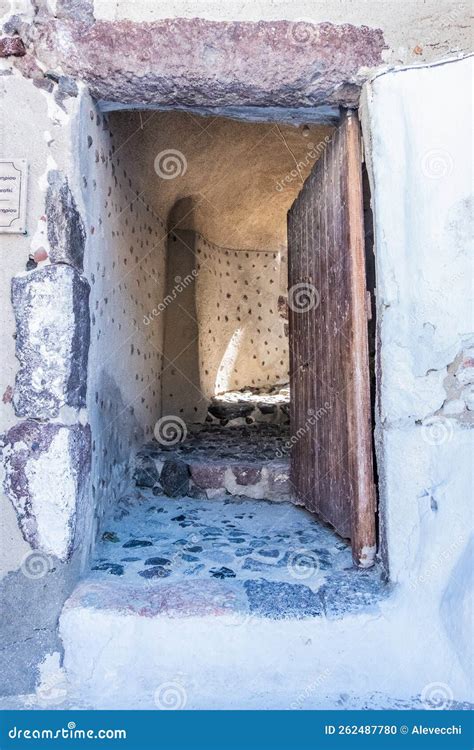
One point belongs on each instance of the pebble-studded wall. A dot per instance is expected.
(125, 264)
(242, 339)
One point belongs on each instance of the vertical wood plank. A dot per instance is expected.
(331, 460)
(361, 468)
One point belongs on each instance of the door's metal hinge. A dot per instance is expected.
(368, 303)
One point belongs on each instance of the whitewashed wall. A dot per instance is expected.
(242, 339)
(417, 128)
(125, 265)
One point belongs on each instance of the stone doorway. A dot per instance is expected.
(189, 372)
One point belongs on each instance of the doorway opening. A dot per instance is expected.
(192, 337)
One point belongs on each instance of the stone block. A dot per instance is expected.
(279, 482)
(279, 600)
(51, 306)
(66, 232)
(232, 410)
(174, 478)
(269, 64)
(146, 472)
(247, 474)
(46, 472)
(12, 46)
(208, 475)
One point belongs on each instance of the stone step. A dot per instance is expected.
(198, 644)
(213, 463)
(213, 479)
(194, 596)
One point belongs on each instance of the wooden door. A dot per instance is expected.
(331, 460)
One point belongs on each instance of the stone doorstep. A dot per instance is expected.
(234, 599)
(265, 480)
(259, 480)
(122, 643)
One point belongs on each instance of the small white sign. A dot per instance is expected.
(13, 177)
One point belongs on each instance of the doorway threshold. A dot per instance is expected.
(181, 557)
(207, 594)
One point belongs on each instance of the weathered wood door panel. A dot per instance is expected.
(331, 461)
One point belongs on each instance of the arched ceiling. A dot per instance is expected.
(233, 181)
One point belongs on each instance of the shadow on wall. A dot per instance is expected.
(181, 385)
(116, 433)
(458, 598)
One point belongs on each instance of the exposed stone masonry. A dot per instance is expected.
(250, 405)
(264, 63)
(51, 307)
(66, 231)
(46, 472)
(215, 461)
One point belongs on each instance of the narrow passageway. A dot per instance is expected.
(196, 235)
(207, 411)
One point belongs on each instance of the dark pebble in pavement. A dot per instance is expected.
(157, 572)
(222, 572)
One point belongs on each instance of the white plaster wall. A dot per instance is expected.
(242, 340)
(125, 264)
(417, 128)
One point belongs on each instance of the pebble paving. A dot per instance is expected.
(285, 560)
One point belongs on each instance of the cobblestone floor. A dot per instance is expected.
(284, 561)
